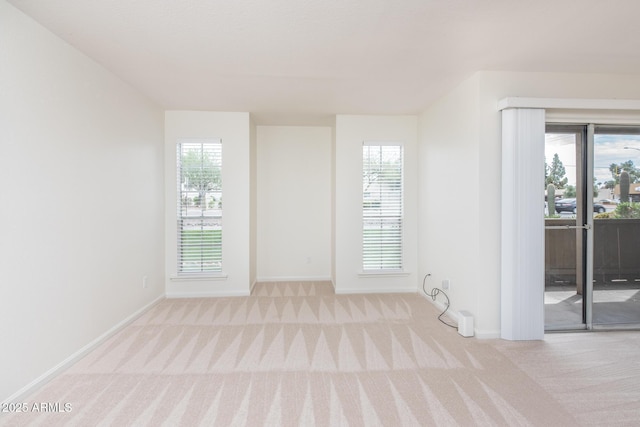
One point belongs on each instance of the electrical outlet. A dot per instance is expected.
(446, 284)
(144, 281)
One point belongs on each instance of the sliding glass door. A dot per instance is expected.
(566, 228)
(616, 245)
(592, 227)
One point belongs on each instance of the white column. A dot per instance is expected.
(522, 281)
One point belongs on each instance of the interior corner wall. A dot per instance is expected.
(351, 132)
(82, 200)
(253, 202)
(234, 129)
(294, 203)
(333, 203)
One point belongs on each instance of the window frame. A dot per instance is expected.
(393, 212)
(206, 227)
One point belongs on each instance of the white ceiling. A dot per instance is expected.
(282, 59)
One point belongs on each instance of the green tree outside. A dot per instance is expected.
(556, 173)
(201, 173)
(616, 169)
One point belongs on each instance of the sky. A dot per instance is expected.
(607, 149)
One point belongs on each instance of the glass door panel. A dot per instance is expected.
(616, 252)
(565, 228)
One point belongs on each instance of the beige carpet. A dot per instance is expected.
(297, 354)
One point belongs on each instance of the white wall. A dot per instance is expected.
(351, 132)
(81, 192)
(464, 127)
(235, 131)
(294, 203)
(449, 222)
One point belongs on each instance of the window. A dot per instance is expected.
(199, 206)
(382, 214)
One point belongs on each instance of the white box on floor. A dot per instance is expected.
(465, 323)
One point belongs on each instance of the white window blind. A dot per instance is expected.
(199, 205)
(382, 213)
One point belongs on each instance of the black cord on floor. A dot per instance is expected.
(433, 294)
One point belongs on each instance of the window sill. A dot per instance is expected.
(383, 273)
(197, 277)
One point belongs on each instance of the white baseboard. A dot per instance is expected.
(62, 366)
(344, 291)
(487, 335)
(441, 305)
(207, 294)
(294, 279)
